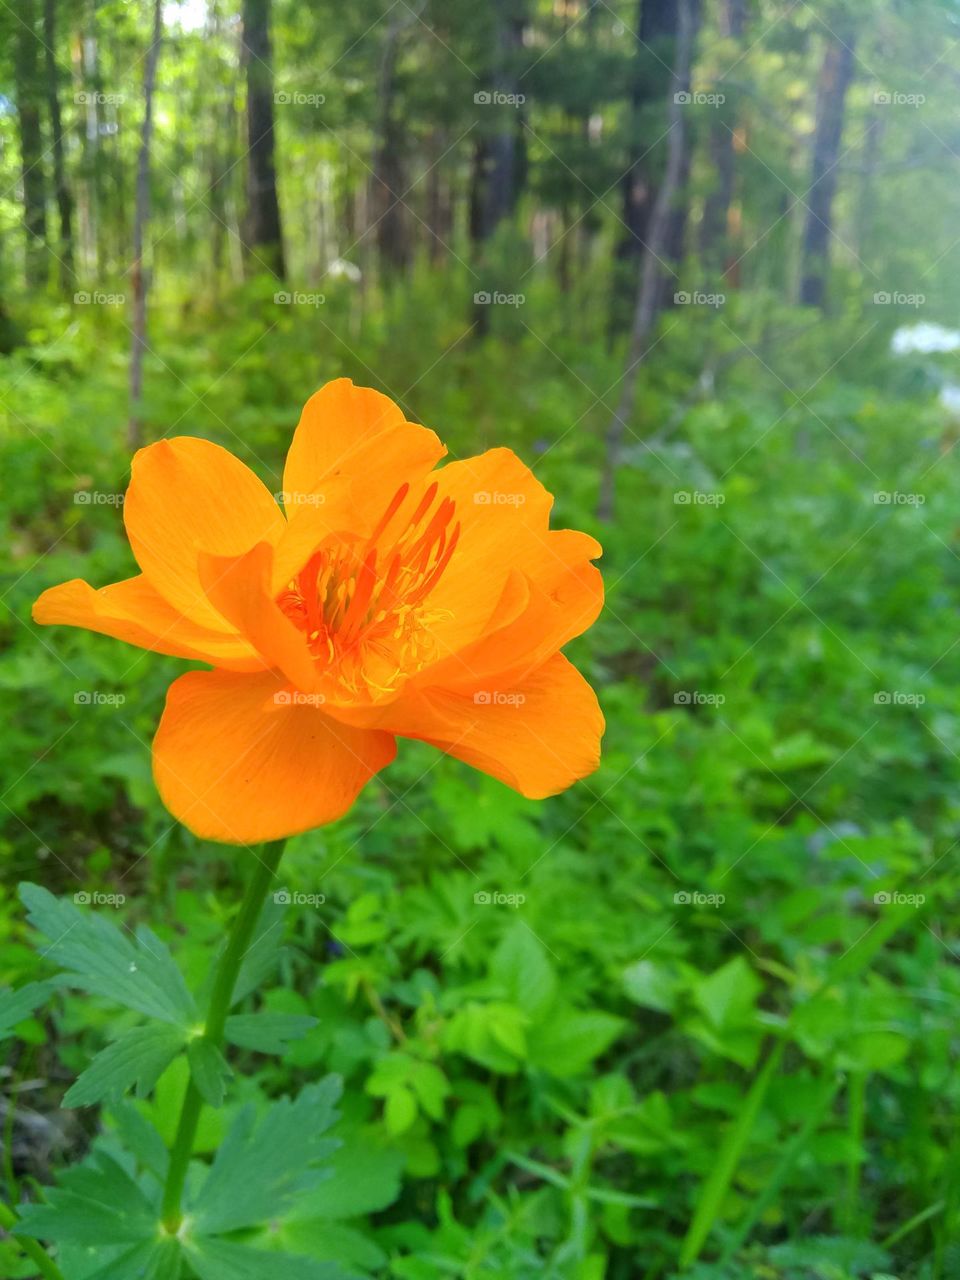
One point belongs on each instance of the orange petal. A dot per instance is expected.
(239, 759)
(134, 611)
(357, 434)
(188, 495)
(564, 595)
(240, 588)
(503, 512)
(538, 736)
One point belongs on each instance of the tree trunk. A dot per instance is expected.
(29, 96)
(141, 220)
(264, 236)
(715, 226)
(507, 171)
(656, 34)
(836, 74)
(645, 311)
(393, 245)
(64, 249)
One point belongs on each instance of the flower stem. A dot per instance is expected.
(221, 996)
(32, 1248)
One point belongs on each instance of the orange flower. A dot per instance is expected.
(391, 600)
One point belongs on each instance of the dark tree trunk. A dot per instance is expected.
(140, 221)
(508, 161)
(264, 236)
(836, 75)
(715, 226)
(29, 90)
(645, 309)
(62, 190)
(656, 33)
(389, 214)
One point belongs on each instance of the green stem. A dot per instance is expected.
(32, 1248)
(221, 999)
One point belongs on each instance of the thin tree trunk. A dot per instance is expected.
(62, 190)
(264, 235)
(645, 311)
(715, 225)
(836, 75)
(507, 147)
(393, 247)
(656, 33)
(29, 97)
(140, 221)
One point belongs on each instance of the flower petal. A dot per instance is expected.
(354, 433)
(188, 495)
(240, 588)
(134, 611)
(564, 595)
(503, 511)
(239, 759)
(538, 736)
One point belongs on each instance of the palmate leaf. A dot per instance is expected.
(151, 1260)
(17, 1005)
(224, 1260)
(138, 1058)
(96, 1203)
(209, 1070)
(264, 1163)
(267, 1032)
(138, 973)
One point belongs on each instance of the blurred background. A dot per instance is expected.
(697, 262)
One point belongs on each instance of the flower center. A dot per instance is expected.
(362, 603)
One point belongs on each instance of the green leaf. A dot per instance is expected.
(209, 1070)
(224, 1260)
(571, 1040)
(137, 971)
(727, 996)
(96, 1202)
(520, 965)
(138, 1058)
(267, 1032)
(263, 953)
(154, 1260)
(263, 1164)
(15, 1006)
